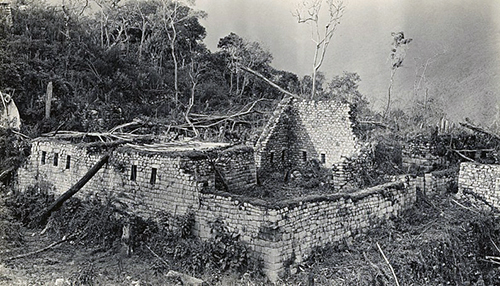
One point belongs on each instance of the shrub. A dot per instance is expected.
(26, 206)
(170, 238)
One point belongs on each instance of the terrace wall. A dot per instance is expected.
(287, 232)
(481, 179)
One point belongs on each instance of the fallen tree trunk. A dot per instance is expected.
(480, 130)
(268, 81)
(42, 218)
(64, 239)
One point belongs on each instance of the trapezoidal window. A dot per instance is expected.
(44, 156)
(153, 176)
(133, 173)
(323, 158)
(271, 157)
(304, 156)
(68, 161)
(56, 159)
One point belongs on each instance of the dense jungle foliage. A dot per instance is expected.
(113, 61)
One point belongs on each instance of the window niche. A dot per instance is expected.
(133, 173)
(56, 159)
(44, 156)
(68, 162)
(304, 156)
(323, 158)
(154, 172)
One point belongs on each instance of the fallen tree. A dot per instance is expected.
(480, 130)
(43, 217)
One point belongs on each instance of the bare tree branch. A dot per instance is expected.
(321, 40)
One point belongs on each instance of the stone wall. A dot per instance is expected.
(419, 154)
(147, 182)
(272, 148)
(280, 234)
(303, 130)
(287, 232)
(322, 127)
(482, 180)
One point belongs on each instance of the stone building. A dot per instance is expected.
(199, 177)
(148, 178)
(301, 130)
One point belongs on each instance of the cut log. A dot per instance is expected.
(42, 218)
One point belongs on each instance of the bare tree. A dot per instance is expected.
(421, 84)
(398, 54)
(197, 68)
(308, 12)
(174, 13)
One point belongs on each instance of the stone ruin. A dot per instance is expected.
(200, 177)
(303, 130)
(154, 177)
(480, 182)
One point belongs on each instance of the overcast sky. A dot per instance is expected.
(464, 33)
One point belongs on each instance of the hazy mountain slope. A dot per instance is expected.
(465, 33)
(466, 75)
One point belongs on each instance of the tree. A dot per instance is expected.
(172, 15)
(398, 54)
(240, 52)
(309, 13)
(345, 88)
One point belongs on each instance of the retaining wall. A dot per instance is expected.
(288, 231)
(481, 179)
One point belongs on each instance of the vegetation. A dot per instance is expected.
(146, 59)
(135, 59)
(96, 222)
(437, 242)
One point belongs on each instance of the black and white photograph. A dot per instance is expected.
(250, 142)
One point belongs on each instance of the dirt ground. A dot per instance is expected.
(439, 242)
(71, 264)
